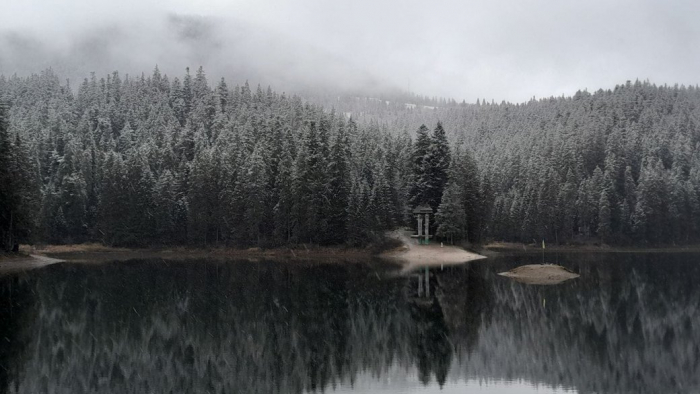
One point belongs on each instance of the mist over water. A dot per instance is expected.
(628, 324)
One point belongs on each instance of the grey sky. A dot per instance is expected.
(495, 49)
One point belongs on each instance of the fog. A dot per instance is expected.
(464, 50)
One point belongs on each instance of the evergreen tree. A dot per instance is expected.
(438, 162)
(255, 181)
(604, 219)
(419, 191)
(451, 218)
(165, 208)
(114, 202)
(338, 174)
(284, 184)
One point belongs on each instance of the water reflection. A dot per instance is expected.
(629, 324)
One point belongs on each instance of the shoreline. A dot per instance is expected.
(514, 247)
(92, 251)
(31, 257)
(36, 257)
(396, 249)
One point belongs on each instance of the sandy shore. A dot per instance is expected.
(540, 274)
(413, 256)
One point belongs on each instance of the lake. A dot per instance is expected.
(629, 324)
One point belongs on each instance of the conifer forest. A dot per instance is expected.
(161, 160)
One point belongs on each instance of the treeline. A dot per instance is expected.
(149, 160)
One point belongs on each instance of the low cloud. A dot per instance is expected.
(500, 49)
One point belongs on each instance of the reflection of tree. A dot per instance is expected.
(431, 348)
(14, 299)
(465, 299)
(243, 327)
(624, 326)
(627, 325)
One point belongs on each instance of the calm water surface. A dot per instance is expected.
(629, 324)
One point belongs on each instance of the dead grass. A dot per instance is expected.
(496, 247)
(74, 248)
(92, 252)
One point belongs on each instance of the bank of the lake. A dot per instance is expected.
(31, 257)
(396, 249)
(495, 248)
(99, 252)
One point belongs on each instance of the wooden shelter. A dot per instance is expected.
(423, 212)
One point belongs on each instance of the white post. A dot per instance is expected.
(420, 225)
(427, 227)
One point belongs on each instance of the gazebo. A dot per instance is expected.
(421, 212)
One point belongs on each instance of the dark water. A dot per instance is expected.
(629, 324)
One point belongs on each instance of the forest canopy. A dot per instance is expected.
(153, 160)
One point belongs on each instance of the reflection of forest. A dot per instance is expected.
(276, 327)
(630, 324)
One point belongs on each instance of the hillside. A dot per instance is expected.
(617, 166)
(138, 161)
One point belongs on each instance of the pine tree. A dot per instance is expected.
(338, 174)
(284, 184)
(114, 202)
(165, 208)
(475, 203)
(438, 162)
(419, 191)
(256, 195)
(359, 227)
(451, 218)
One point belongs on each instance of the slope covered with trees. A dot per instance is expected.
(149, 160)
(617, 166)
(154, 160)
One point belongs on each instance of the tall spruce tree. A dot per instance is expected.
(438, 162)
(339, 189)
(419, 191)
(451, 218)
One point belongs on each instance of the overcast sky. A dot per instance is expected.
(494, 49)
